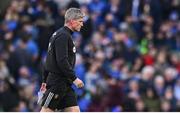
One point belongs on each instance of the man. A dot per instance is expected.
(58, 73)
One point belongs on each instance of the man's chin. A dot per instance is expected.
(78, 30)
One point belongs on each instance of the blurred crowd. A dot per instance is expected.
(128, 53)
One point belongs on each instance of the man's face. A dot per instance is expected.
(77, 24)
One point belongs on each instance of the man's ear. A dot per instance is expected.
(70, 22)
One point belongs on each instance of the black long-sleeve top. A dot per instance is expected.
(61, 58)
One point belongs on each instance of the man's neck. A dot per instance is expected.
(68, 27)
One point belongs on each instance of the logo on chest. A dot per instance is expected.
(74, 49)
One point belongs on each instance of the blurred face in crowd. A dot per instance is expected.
(165, 106)
(134, 85)
(159, 81)
(140, 105)
(169, 93)
(150, 93)
(161, 58)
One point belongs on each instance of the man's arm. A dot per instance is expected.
(44, 78)
(61, 50)
(44, 74)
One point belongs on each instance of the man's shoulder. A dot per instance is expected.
(58, 31)
(61, 32)
(60, 35)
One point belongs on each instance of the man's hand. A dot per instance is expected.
(79, 83)
(41, 93)
(43, 87)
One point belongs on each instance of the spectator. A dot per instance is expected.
(151, 100)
